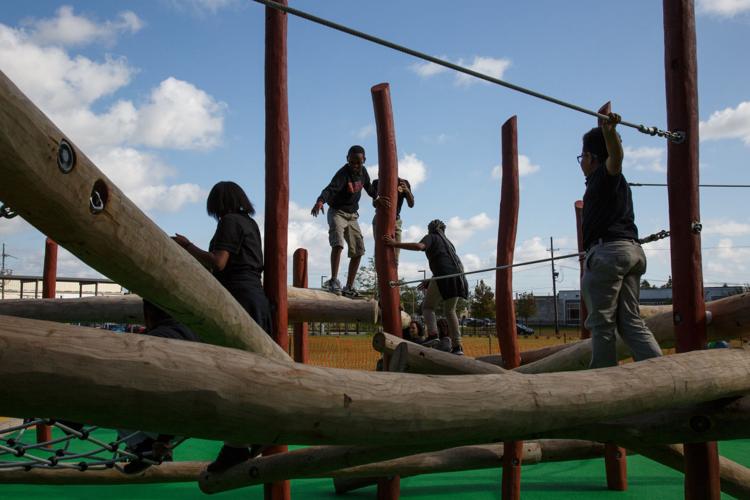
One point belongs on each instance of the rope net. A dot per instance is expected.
(77, 446)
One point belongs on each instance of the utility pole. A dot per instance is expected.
(555, 274)
(4, 272)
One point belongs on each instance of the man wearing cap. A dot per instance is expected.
(342, 196)
(614, 261)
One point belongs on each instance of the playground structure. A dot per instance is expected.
(355, 418)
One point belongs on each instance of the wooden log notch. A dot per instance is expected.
(50, 182)
(385, 223)
(681, 71)
(277, 195)
(505, 313)
(299, 280)
(49, 288)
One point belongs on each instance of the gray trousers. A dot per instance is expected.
(431, 302)
(611, 290)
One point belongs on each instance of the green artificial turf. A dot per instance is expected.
(582, 479)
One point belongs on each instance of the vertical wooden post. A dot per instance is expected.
(49, 288)
(505, 325)
(385, 223)
(299, 279)
(680, 64)
(277, 195)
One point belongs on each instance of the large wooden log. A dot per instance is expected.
(464, 458)
(304, 305)
(167, 472)
(110, 233)
(729, 318)
(420, 359)
(91, 375)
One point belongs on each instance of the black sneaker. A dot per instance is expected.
(350, 292)
(229, 456)
(458, 350)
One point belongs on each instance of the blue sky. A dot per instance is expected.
(167, 98)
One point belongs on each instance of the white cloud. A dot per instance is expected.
(645, 159)
(202, 6)
(66, 87)
(181, 116)
(366, 131)
(428, 69)
(726, 228)
(141, 177)
(410, 168)
(723, 8)
(69, 29)
(459, 230)
(491, 66)
(488, 65)
(727, 261)
(728, 123)
(525, 167)
(13, 226)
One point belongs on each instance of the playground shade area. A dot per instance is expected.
(582, 479)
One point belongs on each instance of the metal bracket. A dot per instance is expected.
(66, 157)
(696, 227)
(6, 212)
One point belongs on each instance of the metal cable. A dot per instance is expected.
(648, 239)
(675, 136)
(658, 184)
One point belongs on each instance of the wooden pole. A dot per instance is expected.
(114, 237)
(49, 288)
(277, 196)
(299, 280)
(681, 69)
(303, 305)
(385, 223)
(92, 375)
(504, 307)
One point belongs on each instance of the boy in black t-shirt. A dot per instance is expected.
(614, 260)
(342, 195)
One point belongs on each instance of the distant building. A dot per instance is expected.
(569, 309)
(13, 286)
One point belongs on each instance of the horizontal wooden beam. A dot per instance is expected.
(729, 319)
(304, 305)
(167, 472)
(50, 183)
(95, 376)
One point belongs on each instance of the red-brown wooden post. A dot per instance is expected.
(299, 279)
(49, 288)
(615, 458)
(277, 194)
(504, 307)
(385, 223)
(701, 459)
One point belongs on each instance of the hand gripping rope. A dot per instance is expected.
(648, 239)
(676, 137)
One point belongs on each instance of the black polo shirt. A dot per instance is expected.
(607, 208)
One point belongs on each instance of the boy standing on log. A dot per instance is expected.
(342, 195)
(404, 193)
(614, 261)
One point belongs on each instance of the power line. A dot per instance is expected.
(656, 184)
(676, 136)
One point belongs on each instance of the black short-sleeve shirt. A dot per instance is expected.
(401, 195)
(607, 208)
(442, 263)
(239, 235)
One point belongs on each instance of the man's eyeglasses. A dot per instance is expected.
(581, 156)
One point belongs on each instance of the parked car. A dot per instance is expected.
(524, 330)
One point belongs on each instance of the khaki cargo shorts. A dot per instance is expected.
(343, 227)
